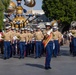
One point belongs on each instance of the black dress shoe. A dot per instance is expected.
(46, 68)
(19, 57)
(22, 57)
(7, 57)
(39, 56)
(55, 56)
(49, 67)
(4, 58)
(35, 57)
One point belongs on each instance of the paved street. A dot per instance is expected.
(62, 65)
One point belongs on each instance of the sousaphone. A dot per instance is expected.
(29, 3)
(11, 7)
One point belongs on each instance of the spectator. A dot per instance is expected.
(1, 41)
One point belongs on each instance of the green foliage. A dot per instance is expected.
(3, 7)
(64, 10)
(6, 3)
(1, 19)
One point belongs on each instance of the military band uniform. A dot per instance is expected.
(70, 37)
(22, 44)
(73, 42)
(17, 42)
(32, 43)
(7, 47)
(38, 45)
(30, 36)
(49, 50)
(57, 38)
(13, 42)
(1, 42)
(48, 45)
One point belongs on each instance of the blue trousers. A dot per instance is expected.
(7, 49)
(74, 46)
(22, 49)
(28, 50)
(14, 48)
(32, 47)
(56, 48)
(71, 48)
(38, 48)
(49, 50)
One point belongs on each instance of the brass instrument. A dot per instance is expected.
(30, 3)
(19, 21)
(11, 7)
(19, 10)
(54, 23)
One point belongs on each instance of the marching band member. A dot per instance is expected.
(22, 38)
(57, 39)
(17, 41)
(29, 42)
(38, 45)
(48, 45)
(73, 31)
(26, 50)
(1, 41)
(7, 42)
(70, 36)
(32, 41)
(14, 38)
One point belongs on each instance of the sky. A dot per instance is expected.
(36, 7)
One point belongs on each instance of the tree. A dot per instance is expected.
(64, 10)
(3, 7)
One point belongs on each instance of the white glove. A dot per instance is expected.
(15, 37)
(53, 45)
(0, 36)
(49, 31)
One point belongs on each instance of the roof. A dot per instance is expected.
(35, 12)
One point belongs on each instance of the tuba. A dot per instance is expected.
(73, 24)
(11, 7)
(29, 3)
(54, 23)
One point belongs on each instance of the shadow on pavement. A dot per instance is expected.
(1, 56)
(35, 65)
(64, 53)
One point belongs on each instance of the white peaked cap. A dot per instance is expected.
(38, 26)
(17, 29)
(31, 29)
(34, 29)
(22, 28)
(7, 27)
(55, 24)
(25, 28)
(47, 23)
(55, 27)
(28, 28)
(13, 28)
